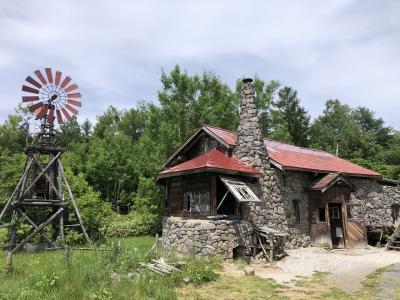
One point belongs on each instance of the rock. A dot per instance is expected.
(249, 271)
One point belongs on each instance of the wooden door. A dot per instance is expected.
(336, 225)
(320, 232)
(356, 236)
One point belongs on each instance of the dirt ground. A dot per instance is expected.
(346, 268)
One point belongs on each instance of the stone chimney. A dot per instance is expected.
(250, 146)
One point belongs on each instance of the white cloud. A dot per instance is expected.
(116, 49)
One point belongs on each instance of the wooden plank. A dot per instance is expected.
(41, 174)
(36, 227)
(36, 231)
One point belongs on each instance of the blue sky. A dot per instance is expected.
(115, 50)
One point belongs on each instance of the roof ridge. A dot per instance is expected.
(269, 139)
(306, 148)
(207, 125)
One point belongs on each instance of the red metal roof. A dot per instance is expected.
(298, 158)
(213, 160)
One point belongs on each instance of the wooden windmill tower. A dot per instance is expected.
(38, 198)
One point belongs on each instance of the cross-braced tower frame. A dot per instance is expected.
(42, 196)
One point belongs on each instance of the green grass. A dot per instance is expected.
(229, 287)
(97, 274)
(88, 276)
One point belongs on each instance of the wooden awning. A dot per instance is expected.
(329, 180)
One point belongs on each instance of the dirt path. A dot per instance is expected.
(347, 268)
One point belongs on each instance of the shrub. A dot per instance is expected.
(133, 224)
(202, 270)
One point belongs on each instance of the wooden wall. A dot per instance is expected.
(200, 188)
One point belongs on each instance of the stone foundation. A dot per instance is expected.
(206, 237)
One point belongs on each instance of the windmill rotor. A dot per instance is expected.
(51, 97)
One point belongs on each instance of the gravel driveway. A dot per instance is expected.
(347, 267)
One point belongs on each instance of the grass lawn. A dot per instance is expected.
(112, 275)
(47, 276)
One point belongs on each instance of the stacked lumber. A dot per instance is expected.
(159, 266)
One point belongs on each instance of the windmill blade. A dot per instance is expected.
(30, 98)
(71, 109)
(33, 82)
(29, 89)
(65, 82)
(75, 95)
(58, 78)
(66, 114)
(73, 102)
(49, 75)
(59, 118)
(71, 88)
(40, 76)
(51, 116)
(42, 112)
(34, 107)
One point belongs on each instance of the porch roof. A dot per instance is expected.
(324, 183)
(213, 160)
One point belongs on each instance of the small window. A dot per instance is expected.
(197, 202)
(296, 211)
(349, 212)
(395, 212)
(335, 212)
(321, 215)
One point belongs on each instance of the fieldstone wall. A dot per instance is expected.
(293, 189)
(376, 200)
(206, 237)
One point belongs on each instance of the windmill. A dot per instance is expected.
(39, 199)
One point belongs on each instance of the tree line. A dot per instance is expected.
(113, 163)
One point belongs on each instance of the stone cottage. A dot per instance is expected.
(219, 183)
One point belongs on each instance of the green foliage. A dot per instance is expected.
(133, 224)
(337, 128)
(12, 166)
(291, 118)
(201, 271)
(4, 238)
(93, 210)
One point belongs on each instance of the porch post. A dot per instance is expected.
(213, 194)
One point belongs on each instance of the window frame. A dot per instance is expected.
(240, 190)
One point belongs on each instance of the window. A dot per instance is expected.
(240, 190)
(349, 212)
(395, 212)
(321, 215)
(334, 211)
(197, 202)
(296, 211)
